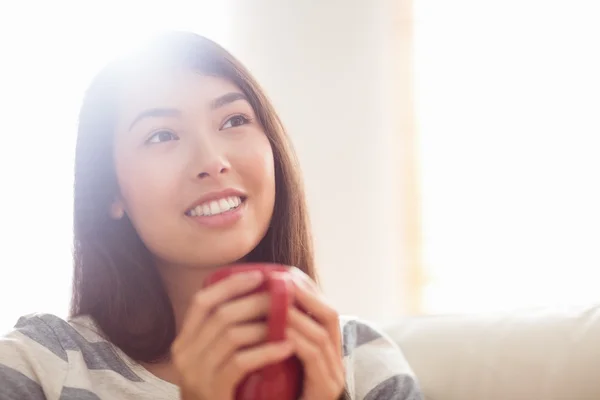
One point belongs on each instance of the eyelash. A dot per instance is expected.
(156, 135)
(245, 120)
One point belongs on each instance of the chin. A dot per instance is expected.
(229, 253)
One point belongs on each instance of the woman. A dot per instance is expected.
(182, 166)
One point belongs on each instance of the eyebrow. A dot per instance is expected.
(219, 102)
(155, 112)
(227, 99)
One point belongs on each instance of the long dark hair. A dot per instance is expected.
(115, 281)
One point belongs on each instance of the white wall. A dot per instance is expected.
(325, 64)
(508, 145)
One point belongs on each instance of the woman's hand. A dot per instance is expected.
(210, 354)
(317, 342)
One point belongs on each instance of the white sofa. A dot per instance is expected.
(550, 354)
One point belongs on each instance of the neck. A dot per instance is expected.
(182, 284)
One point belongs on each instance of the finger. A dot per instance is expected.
(234, 312)
(246, 361)
(315, 366)
(315, 305)
(318, 336)
(243, 309)
(301, 278)
(213, 355)
(232, 340)
(208, 298)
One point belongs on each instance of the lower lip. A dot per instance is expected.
(222, 220)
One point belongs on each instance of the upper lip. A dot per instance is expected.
(217, 195)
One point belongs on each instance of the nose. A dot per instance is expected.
(210, 161)
(212, 168)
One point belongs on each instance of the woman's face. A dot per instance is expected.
(195, 169)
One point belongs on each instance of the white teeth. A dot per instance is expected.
(224, 204)
(216, 206)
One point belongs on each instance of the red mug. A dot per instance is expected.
(282, 380)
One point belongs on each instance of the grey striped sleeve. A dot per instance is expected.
(97, 355)
(77, 394)
(35, 362)
(17, 386)
(397, 387)
(378, 367)
(356, 334)
(28, 354)
(39, 331)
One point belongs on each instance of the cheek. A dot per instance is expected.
(256, 165)
(146, 187)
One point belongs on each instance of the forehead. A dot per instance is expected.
(178, 89)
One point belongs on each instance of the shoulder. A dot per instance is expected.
(38, 332)
(36, 357)
(376, 367)
(32, 354)
(49, 333)
(46, 335)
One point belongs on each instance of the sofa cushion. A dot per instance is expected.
(549, 354)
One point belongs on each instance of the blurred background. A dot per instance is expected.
(450, 149)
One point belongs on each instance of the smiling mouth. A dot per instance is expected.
(216, 207)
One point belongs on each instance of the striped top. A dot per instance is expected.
(45, 357)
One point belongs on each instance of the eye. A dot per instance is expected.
(162, 136)
(236, 120)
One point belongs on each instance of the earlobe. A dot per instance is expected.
(116, 210)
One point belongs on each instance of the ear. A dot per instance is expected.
(117, 211)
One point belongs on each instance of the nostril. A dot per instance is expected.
(213, 170)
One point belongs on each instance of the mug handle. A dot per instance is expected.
(281, 291)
